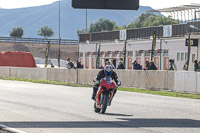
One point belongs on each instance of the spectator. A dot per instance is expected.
(172, 65)
(70, 64)
(109, 63)
(152, 66)
(52, 66)
(78, 65)
(136, 66)
(196, 65)
(146, 65)
(101, 67)
(121, 65)
(198, 70)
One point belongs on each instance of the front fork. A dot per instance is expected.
(102, 97)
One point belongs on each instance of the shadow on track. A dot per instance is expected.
(123, 123)
(114, 114)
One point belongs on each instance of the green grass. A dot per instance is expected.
(47, 82)
(161, 93)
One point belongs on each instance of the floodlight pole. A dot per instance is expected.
(160, 53)
(59, 38)
(125, 53)
(86, 20)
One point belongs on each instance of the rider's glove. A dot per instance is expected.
(96, 82)
(118, 83)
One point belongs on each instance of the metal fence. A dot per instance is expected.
(178, 30)
(38, 41)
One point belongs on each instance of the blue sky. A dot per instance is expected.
(156, 4)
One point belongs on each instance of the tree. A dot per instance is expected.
(102, 25)
(150, 19)
(144, 20)
(17, 32)
(45, 31)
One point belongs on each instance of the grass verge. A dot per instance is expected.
(161, 93)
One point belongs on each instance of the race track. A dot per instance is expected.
(41, 108)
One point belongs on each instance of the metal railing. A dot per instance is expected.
(37, 41)
(178, 30)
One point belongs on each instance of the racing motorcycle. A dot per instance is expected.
(104, 95)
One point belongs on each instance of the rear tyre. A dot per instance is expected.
(105, 103)
(97, 110)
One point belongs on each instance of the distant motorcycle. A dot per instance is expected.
(104, 95)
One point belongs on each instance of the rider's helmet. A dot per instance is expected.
(108, 70)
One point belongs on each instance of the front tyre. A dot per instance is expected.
(104, 103)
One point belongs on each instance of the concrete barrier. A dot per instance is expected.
(156, 80)
(86, 76)
(198, 83)
(65, 75)
(4, 72)
(185, 82)
(28, 73)
(124, 77)
(169, 80)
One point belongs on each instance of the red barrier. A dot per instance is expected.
(17, 59)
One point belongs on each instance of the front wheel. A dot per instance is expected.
(104, 103)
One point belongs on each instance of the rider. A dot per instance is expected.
(106, 72)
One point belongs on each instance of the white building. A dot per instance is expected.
(170, 44)
(173, 48)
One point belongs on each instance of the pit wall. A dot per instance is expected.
(177, 81)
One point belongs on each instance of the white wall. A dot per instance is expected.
(178, 81)
(174, 46)
(54, 61)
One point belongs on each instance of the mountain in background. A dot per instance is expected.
(32, 18)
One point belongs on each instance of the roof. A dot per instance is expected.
(178, 8)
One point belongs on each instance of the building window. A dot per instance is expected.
(101, 54)
(107, 54)
(94, 53)
(147, 53)
(138, 53)
(87, 54)
(178, 56)
(130, 53)
(165, 53)
(182, 56)
(114, 54)
(121, 54)
(156, 53)
(81, 54)
(186, 56)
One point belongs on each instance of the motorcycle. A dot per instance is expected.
(104, 95)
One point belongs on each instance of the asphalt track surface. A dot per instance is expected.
(41, 108)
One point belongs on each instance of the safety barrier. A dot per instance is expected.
(177, 81)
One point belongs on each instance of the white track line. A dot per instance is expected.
(10, 130)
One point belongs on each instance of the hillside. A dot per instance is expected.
(32, 18)
(39, 50)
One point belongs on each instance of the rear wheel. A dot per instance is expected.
(105, 103)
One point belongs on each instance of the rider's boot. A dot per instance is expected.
(93, 96)
(95, 88)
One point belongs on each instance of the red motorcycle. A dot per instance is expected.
(104, 95)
